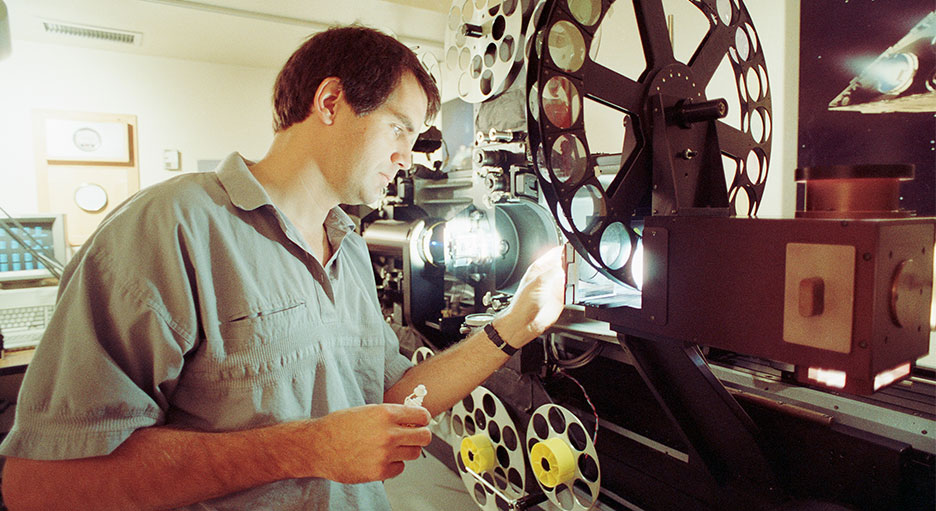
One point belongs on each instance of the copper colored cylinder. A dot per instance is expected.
(853, 191)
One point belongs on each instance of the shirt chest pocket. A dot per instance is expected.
(267, 327)
(254, 346)
(242, 373)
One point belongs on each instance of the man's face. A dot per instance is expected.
(380, 143)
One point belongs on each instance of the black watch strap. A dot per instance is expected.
(498, 340)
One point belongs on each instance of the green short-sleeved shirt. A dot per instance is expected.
(198, 304)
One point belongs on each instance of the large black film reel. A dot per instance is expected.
(598, 196)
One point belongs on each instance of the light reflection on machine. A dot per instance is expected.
(470, 242)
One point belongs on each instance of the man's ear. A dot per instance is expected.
(327, 97)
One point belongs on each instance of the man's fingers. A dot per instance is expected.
(393, 469)
(407, 452)
(549, 261)
(551, 257)
(414, 436)
(411, 415)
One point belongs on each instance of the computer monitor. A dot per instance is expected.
(44, 233)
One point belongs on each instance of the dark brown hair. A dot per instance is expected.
(369, 64)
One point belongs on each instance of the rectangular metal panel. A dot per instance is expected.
(823, 273)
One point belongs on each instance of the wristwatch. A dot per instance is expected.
(498, 340)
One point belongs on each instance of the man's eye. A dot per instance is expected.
(397, 130)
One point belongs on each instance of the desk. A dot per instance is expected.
(16, 361)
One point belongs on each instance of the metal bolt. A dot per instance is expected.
(866, 256)
(863, 344)
(688, 154)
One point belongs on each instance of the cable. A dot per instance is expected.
(564, 365)
(588, 399)
(578, 361)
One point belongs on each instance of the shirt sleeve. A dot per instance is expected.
(109, 358)
(396, 364)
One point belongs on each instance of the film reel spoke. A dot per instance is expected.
(612, 88)
(710, 53)
(745, 168)
(733, 141)
(629, 188)
(653, 31)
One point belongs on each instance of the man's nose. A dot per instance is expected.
(403, 158)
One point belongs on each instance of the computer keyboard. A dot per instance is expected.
(22, 327)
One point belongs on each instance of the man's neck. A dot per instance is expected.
(296, 186)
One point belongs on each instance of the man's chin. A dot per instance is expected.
(373, 200)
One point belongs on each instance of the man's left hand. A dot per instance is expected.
(538, 301)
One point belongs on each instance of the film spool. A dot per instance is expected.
(481, 421)
(484, 47)
(563, 458)
(477, 453)
(552, 462)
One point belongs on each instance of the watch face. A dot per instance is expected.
(87, 139)
(90, 197)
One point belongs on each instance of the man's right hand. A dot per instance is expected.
(365, 443)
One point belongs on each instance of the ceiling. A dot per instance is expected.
(257, 33)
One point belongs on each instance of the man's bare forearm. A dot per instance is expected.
(155, 468)
(454, 373)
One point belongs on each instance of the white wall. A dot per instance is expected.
(777, 24)
(204, 110)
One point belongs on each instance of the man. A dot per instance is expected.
(218, 342)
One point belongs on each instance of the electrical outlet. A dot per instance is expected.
(171, 159)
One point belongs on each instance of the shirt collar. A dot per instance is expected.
(338, 219)
(240, 184)
(248, 194)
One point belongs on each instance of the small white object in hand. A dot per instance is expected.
(416, 398)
